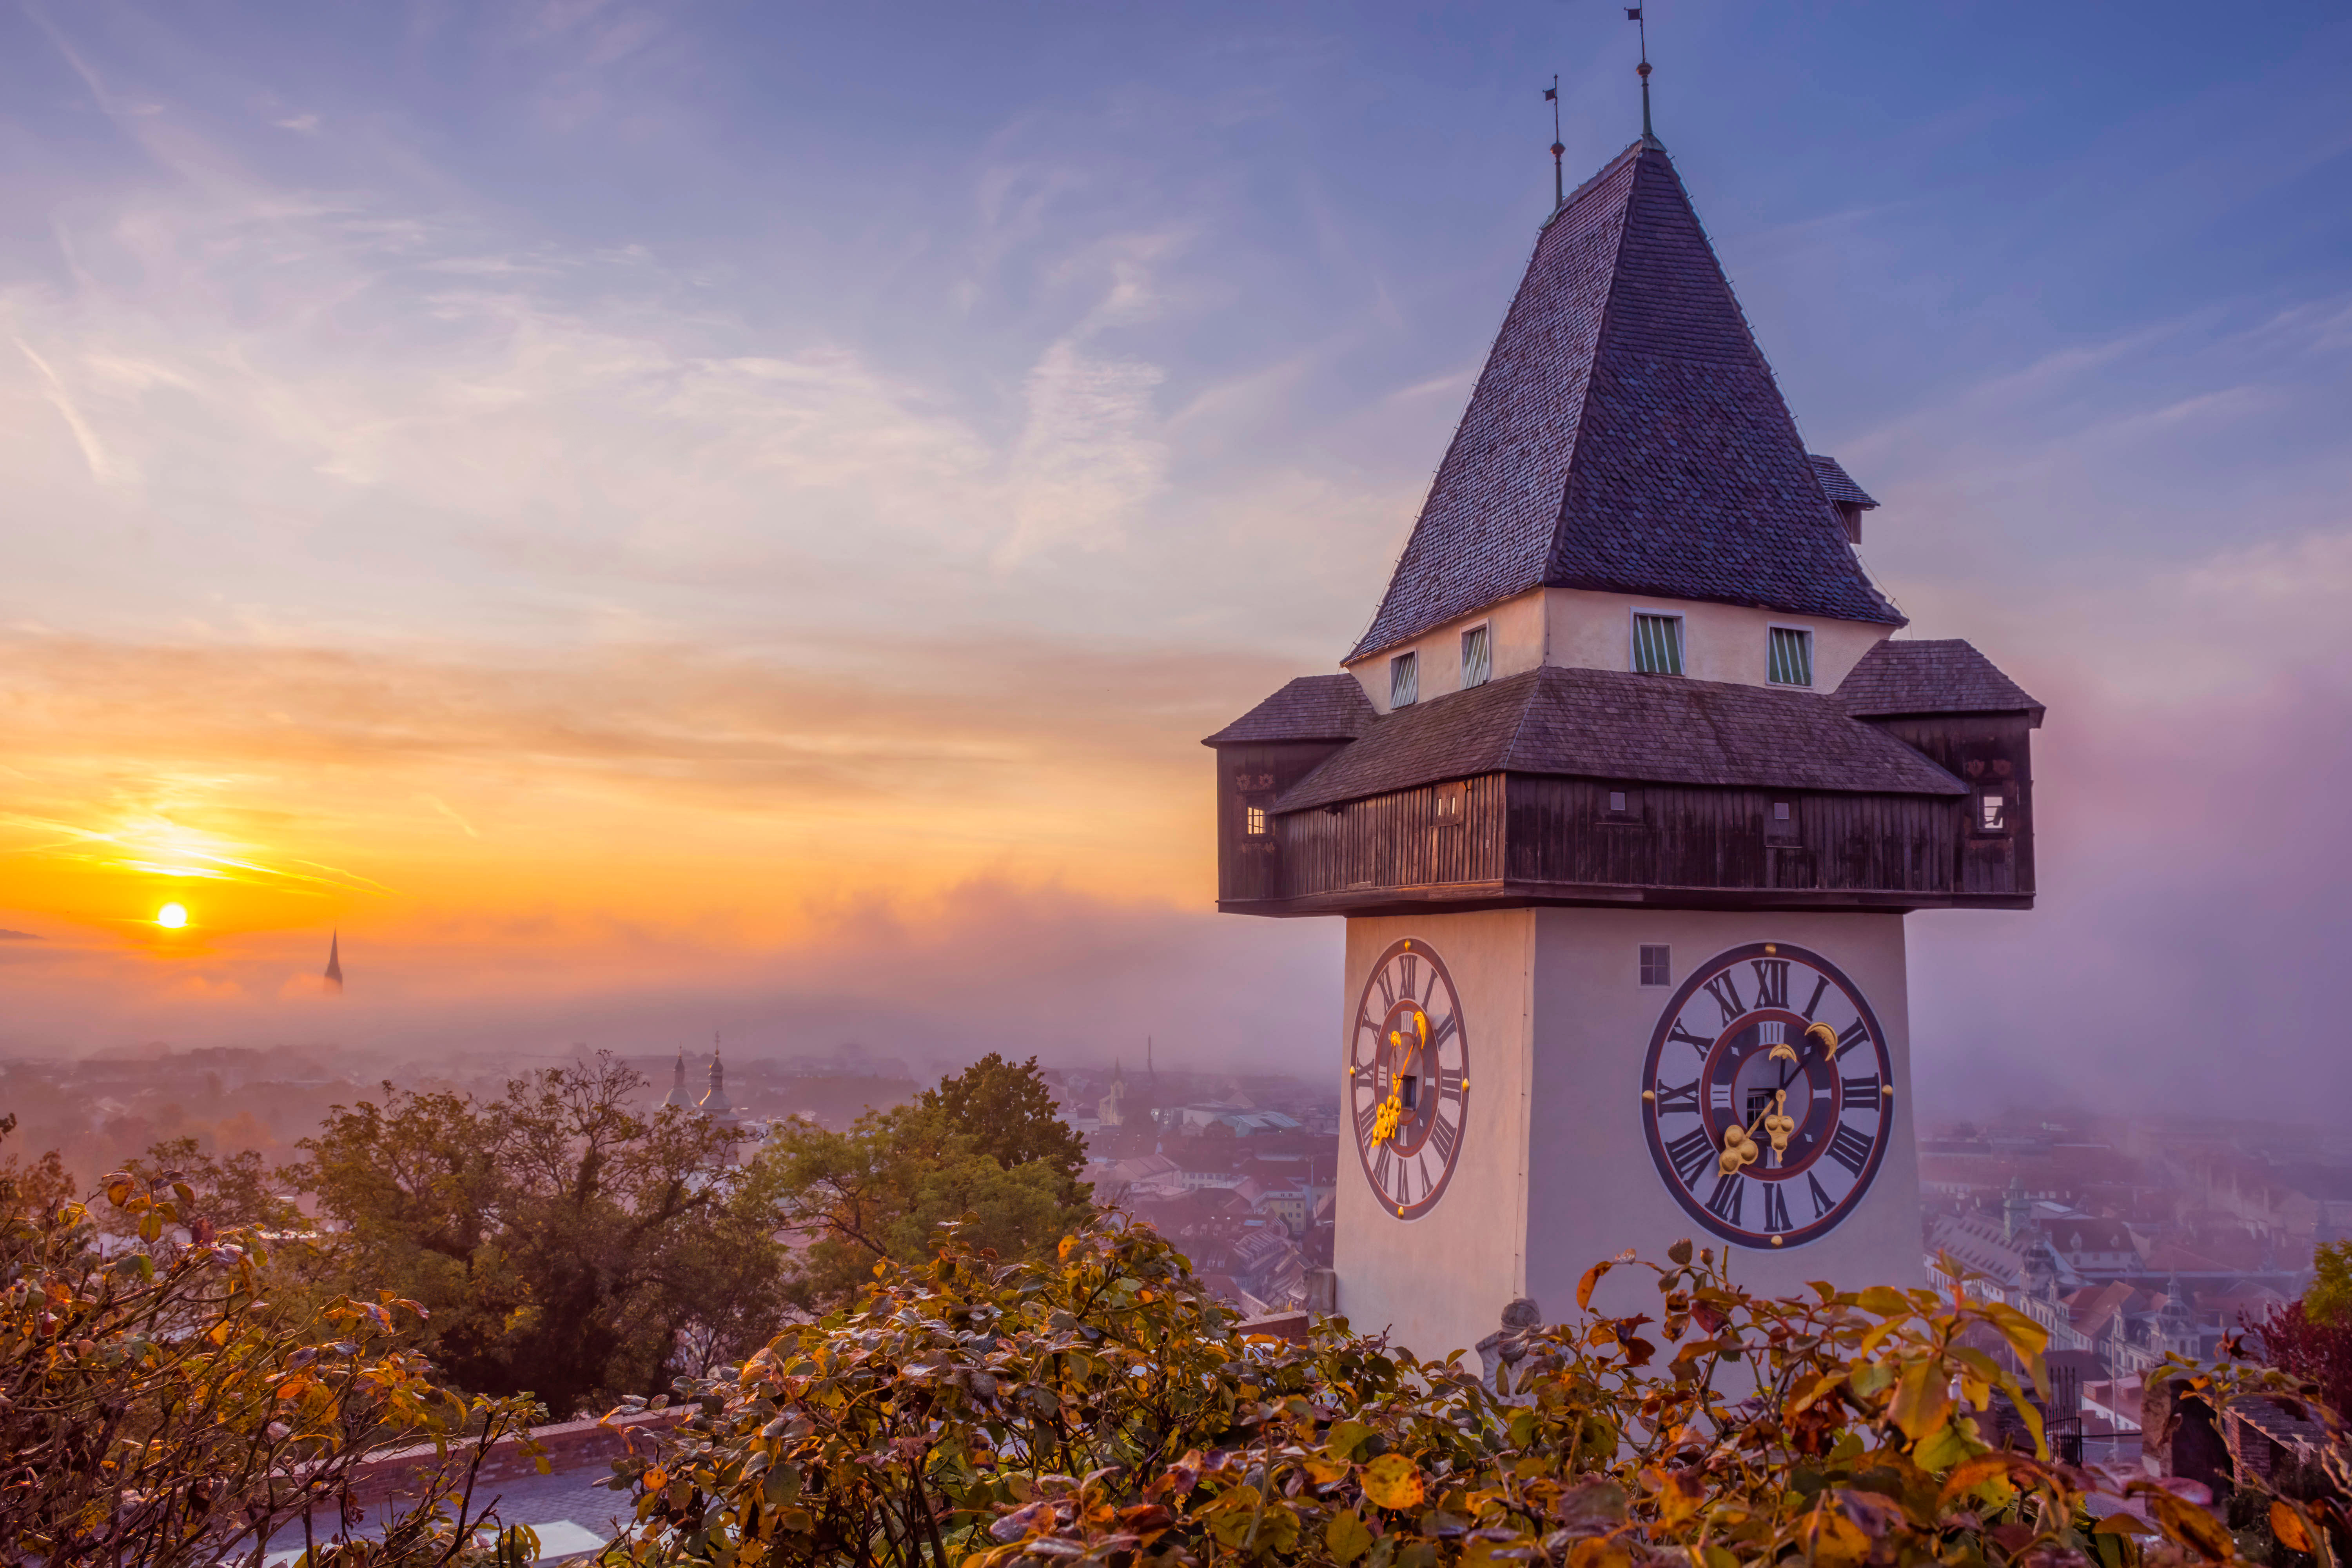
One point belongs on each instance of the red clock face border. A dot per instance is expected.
(1767, 1095)
(1408, 1079)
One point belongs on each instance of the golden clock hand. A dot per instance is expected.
(1779, 1125)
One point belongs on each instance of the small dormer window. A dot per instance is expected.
(1658, 644)
(1404, 680)
(1789, 656)
(1477, 664)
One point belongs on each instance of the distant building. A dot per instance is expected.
(715, 1103)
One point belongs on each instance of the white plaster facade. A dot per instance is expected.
(1554, 1173)
(1583, 629)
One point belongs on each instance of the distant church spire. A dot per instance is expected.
(716, 1102)
(334, 975)
(677, 1095)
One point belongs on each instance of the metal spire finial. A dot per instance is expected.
(1633, 14)
(1559, 188)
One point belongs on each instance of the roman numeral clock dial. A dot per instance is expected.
(1408, 1088)
(1767, 1095)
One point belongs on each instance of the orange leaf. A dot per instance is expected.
(2192, 1525)
(2287, 1525)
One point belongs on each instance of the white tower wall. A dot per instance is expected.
(1555, 1173)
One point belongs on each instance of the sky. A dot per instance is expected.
(654, 519)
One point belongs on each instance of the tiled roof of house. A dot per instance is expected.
(1311, 708)
(1625, 435)
(1836, 485)
(1612, 725)
(1930, 675)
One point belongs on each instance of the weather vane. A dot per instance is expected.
(1633, 14)
(1552, 96)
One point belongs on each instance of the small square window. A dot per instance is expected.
(1779, 811)
(1658, 645)
(1616, 800)
(1404, 680)
(1789, 656)
(1253, 821)
(1992, 812)
(1476, 664)
(1657, 964)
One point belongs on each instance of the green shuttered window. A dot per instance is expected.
(1658, 645)
(1789, 656)
(1404, 680)
(1476, 663)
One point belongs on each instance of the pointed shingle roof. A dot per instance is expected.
(1625, 435)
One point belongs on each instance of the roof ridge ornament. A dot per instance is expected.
(1559, 184)
(1649, 137)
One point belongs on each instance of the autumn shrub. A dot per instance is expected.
(1100, 1408)
(157, 1409)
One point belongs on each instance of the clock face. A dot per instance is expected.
(1767, 1095)
(1409, 1079)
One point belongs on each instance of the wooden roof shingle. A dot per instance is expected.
(1930, 675)
(1311, 708)
(1625, 435)
(1612, 725)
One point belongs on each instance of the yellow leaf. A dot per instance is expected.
(1602, 1552)
(1346, 1536)
(1393, 1481)
(2287, 1525)
(1970, 1474)
(1830, 1540)
(1923, 1400)
(2124, 1524)
(1679, 1497)
(1814, 1390)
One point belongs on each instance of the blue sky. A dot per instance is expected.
(862, 448)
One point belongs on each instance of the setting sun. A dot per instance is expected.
(172, 915)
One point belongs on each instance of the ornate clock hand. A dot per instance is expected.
(1779, 1125)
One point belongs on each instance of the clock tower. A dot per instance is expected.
(1623, 794)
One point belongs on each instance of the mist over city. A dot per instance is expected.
(671, 676)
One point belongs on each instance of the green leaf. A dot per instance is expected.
(1346, 1440)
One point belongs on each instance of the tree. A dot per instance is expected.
(232, 1191)
(1098, 1408)
(880, 1191)
(1009, 1114)
(566, 1246)
(2329, 1298)
(2312, 1338)
(158, 1411)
